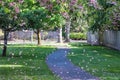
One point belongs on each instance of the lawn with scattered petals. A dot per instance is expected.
(26, 62)
(97, 60)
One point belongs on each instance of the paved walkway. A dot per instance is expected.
(62, 67)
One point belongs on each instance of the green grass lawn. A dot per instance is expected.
(97, 60)
(26, 62)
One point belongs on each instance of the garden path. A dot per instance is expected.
(62, 67)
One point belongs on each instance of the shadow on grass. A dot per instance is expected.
(26, 62)
(98, 60)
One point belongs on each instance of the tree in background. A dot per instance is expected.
(55, 16)
(114, 17)
(63, 8)
(98, 12)
(10, 19)
(36, 19)
(78, 19)
(72, 12)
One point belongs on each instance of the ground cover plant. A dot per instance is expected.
(97, 60)
(26, 62)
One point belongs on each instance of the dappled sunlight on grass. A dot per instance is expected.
(98, 60)
(26, 62)
(6, 65)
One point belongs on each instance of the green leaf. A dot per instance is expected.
(6, 10)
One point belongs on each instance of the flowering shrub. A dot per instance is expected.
(115, 18)
(104, 14)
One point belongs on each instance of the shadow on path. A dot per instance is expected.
(61, 66)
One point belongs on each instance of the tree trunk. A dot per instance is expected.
(38, 37)
(67, 29)
(100, 32)
(5, 43)
(32, 36)
(60, 35)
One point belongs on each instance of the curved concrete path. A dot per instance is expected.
(61, 66)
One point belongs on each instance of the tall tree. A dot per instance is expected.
(65, 8)
(71, 10)
(42, 14)
(36, 19)
(98, 15)
(10, 19)
(55, 9)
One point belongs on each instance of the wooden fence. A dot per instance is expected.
(110, 38)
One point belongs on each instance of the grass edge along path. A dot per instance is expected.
(97, 60)
(26, 62)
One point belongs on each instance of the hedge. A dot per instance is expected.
(77, 36)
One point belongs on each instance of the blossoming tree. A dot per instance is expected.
(10, 19)
(99, 15)
(55, 16)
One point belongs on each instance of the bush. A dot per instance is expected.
(77, 36)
